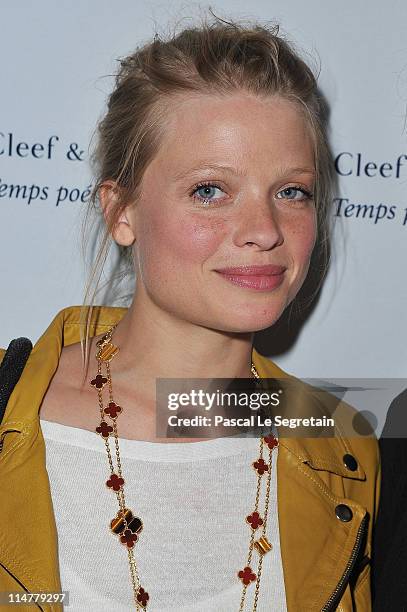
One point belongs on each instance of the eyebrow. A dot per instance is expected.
(204, 166)
(230, 169)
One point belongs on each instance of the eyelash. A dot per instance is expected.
(199, 186)
(308, 195)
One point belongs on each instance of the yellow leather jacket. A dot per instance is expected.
(325, 558)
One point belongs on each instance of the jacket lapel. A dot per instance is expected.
(317, 548)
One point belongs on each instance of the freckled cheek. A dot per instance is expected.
(181, 241)
(301, 241)
(307, 243)
(302, 238)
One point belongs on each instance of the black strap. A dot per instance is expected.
(11, 368)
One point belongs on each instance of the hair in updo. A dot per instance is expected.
(226, 56)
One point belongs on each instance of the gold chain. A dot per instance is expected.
(128, 526)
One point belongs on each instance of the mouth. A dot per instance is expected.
(260, 278)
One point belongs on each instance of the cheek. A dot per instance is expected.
(179, 241)
(302, 239)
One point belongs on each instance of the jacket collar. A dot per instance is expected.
(299, 461)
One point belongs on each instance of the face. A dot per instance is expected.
(231, 187)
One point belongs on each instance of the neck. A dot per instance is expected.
(155, 344)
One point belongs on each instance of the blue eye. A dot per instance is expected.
(295, 193)
(205, 192)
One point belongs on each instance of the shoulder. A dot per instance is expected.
(349, 422)
(323, 429)
(301, 399)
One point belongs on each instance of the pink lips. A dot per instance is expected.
(261, 278)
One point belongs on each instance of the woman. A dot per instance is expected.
(213, 176)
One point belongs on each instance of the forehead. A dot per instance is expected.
(239, 129)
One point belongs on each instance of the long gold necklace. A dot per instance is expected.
(128, 527)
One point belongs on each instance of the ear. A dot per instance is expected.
(123, 231)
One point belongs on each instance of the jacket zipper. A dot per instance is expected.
(348, 570)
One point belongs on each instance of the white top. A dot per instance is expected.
(193, 499)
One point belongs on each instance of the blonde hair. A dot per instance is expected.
(222, 55)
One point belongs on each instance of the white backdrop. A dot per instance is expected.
(54, 62)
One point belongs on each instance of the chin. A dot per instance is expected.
(249, 321)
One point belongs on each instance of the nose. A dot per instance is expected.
(257, 224)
